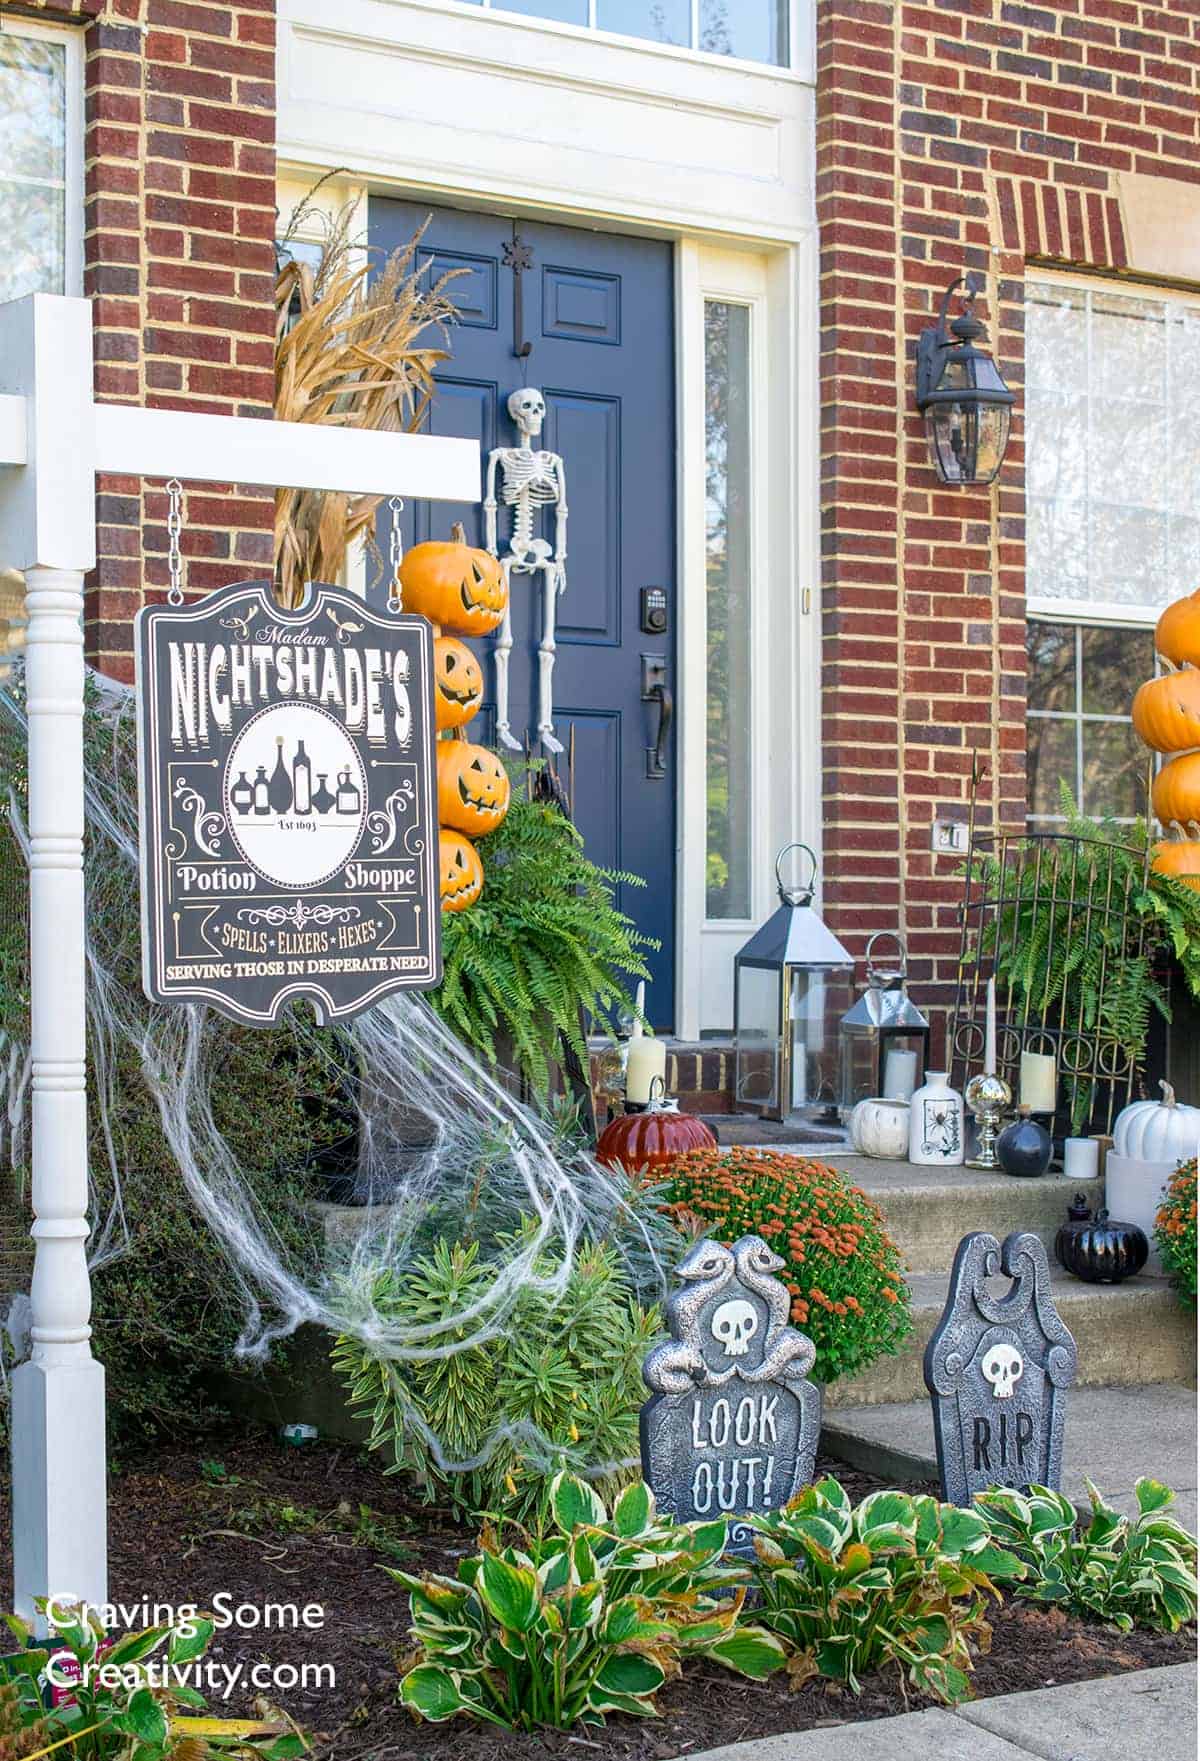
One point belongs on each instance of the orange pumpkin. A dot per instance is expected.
(461, 871)
(454, 585)
(457, 683)
(1177, 634)
(1180, 858)
(473, 787)
(1166, 711)
(1176, 795)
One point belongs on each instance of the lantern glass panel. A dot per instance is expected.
(758, 1024)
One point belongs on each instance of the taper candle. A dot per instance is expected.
(989, 1037)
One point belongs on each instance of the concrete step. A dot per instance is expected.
(1127, 1334)
(1113, 1436)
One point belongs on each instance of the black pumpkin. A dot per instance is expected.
(1097, 1249)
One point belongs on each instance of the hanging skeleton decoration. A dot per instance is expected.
(529, 480)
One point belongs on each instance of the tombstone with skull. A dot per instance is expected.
(733, 1423)
(998, 1368)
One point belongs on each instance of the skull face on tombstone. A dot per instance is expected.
(1003, 1367)
(734, 1324)
(527, 408)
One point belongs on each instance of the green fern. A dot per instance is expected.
(544, 942)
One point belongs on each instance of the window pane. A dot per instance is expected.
(1050, 760)
(32, 107)
(753, 30)
(662, 21)
(31, 224)
(565, 11)
(1115, 662)
(1115, 768)
(1050, 649)
(727, 580)
(1053, 325)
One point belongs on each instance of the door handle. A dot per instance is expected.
(656, 690)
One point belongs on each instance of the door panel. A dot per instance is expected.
(598, 310)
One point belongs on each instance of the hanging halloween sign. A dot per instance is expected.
(528, 480)
(287, 803)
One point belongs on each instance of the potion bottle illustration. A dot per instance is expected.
(348, 798)
(262, 803)
(241, 795)
(323, 796)
(302, 780)
(280, 793)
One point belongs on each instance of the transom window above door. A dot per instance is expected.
(41, 186)
(747, 30)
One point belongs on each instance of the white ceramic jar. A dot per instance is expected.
(935, 1126)
(880, 1128)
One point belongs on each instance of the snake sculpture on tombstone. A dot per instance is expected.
(529, 479)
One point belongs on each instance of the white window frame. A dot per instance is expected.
(73, 187)
(1099, 611)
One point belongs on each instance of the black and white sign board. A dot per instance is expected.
(287, 789)
(733, 1425)
(998, 1368)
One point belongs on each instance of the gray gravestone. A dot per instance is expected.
(733, 1425)
(997, 1369)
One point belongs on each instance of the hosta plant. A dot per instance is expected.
(1129, 1573)
(898, 1580)
(588, 1617)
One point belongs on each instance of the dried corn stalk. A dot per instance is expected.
(346, 353)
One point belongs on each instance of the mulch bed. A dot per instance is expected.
(265, 1523)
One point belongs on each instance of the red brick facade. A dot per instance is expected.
(952, 136)
(180, 216)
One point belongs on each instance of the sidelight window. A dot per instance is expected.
(41, 202)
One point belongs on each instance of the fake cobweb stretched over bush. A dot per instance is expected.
(439, 1147)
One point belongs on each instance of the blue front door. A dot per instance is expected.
(597, 312)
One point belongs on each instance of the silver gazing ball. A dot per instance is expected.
(988, 1094)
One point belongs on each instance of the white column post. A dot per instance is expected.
(47, 518)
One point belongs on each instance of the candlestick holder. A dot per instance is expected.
(988, 1097)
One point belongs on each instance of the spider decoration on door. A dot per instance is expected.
(529, 479)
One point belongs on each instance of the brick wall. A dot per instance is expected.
(180, 201)
(952, 136)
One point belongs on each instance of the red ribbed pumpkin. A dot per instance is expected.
(650, 1140)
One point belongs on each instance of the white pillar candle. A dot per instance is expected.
(1081, 1158)
(1039, 1082)
(989, 1037)
(647, 1060)
(899, 1075)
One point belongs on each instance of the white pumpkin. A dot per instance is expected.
(880, 1128)
(1158, 1131)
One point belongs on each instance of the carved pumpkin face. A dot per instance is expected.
(454, 585)
(473, 787)
(461, 871)
(457, 683)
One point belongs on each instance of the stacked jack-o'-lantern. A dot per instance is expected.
(462, 590)
(1166, 713)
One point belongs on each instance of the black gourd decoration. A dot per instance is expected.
(1097, 1249)
(1024, 1148)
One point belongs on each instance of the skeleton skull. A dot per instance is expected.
(527, 409)
(1003, 1367)
(735, 1324)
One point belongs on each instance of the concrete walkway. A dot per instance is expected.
(1113, 1435)
(1148, 1716)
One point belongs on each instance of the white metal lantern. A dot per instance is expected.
(884, 1036)
(792, 983)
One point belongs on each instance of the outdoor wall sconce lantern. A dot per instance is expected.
(884, 1036)
(792, 983)
(966, 404)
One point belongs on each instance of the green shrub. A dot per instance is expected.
(842, 1268)
(589, 1618)
(545, 946)
(900, 1580)
(558, 1384)
(1175, 1230)
(1140, 1573)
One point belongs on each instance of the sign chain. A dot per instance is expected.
(174, 529)
(395, 552)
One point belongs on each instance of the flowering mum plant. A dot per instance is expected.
(1175, 1230)
(843, 1269)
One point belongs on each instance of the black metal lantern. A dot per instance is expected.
(884, 1036)
(966, 403)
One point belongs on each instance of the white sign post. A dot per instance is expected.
(53, 441)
